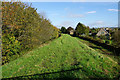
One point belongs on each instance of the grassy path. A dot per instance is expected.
(64, 57)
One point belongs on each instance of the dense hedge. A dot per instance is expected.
(23, 29)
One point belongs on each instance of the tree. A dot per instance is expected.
(93, 30)
(87, 30)
(69, 29)
(63, 30)
(116, 38)
(80, 29)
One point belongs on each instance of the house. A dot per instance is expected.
(71, 32)
(102, 32)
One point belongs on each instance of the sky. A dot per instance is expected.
(92, 14)
(65, 0)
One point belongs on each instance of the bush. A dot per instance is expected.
(22, 25)
(107, 42)
(10, 47)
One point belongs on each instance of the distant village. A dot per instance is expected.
(107, 34)
(96, 31)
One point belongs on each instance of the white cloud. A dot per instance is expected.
(66, 23)
(91, 12)
(75, 15)
(97, 23)
(100, 23)
(42, 13)
(81, 7)
(113, 10)
(66, 8)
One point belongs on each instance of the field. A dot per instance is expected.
(64, 57)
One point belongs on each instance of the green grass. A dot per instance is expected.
(65, 57)
(100, 49)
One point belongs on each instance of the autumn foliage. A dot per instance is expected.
(23, 29)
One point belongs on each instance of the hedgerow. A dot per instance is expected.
(23, 28)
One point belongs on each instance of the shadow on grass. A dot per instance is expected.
(95, 47)
(113, 49)
(59, 75)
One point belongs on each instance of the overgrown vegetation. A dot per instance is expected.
(65, 57)
(23, 29)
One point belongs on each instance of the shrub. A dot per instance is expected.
(107, 42)
(10, 47)
(22, 25)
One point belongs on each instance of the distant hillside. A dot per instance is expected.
(65, 57)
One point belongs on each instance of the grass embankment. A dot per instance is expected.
(65, 57)
(100, 49)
